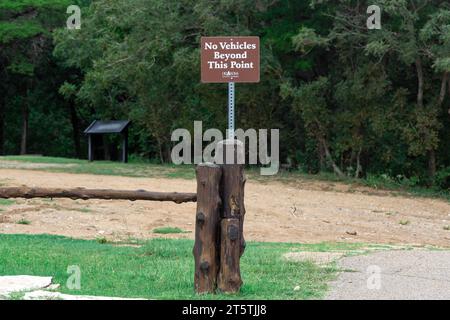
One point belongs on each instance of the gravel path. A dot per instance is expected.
(388, 275)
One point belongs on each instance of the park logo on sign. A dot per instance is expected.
(230, 59)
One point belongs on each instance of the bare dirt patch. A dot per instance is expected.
(275, 212)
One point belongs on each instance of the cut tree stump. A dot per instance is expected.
(232, 186)
(206, 248)
(229, 279)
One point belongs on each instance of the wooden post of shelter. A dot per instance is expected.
(125, 146)
(90, 148)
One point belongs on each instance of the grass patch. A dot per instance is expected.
(6, 202)
(40, 159)
(24, 222)
(168, 230)
(161, 268)
(136, 168)
(101, 240)
(404, 222)
(446, 228)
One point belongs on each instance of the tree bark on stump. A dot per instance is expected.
(233, 184)
(233, 212)
(229, 279)
(206, 248)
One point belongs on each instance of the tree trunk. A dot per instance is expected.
(229, 280)
(420, 82)
(431, 165)
(206, 248)
(23, 143)
(420, 90)
(321, 156)
(443, 89)
(448, 82)
(329, 158)
(2, 126)
(432, 152)
(358, 164)
(75, 129)
(160, 148)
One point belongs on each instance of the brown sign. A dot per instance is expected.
(230, 59)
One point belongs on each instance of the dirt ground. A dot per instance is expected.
(307, 212)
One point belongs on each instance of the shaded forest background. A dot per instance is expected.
(346, 99)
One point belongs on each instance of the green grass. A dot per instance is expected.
(40, 159)
(24, 222)
(136, 168)
(6, 202)
(168, 230)
(162, 268)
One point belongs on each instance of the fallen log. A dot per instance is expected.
(105, 194)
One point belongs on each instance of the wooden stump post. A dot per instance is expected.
(232, 214)
(206, 249)
(229, 279)
(219, 237)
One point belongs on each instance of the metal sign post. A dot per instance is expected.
(231, 100)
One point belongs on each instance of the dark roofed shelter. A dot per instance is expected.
(108, 127)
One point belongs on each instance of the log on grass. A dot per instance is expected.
(86, 194)
(206, 248)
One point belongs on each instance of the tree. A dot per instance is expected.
(24, 39)
(409, 35)
(144, 63)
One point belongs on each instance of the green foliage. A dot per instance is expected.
(168, 230)
(13, 31)
(346, 98)
(20, 5)
(6, 202)
(443, 178)
(24, 222)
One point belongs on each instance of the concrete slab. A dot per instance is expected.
(393, 275)
(10, 284)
